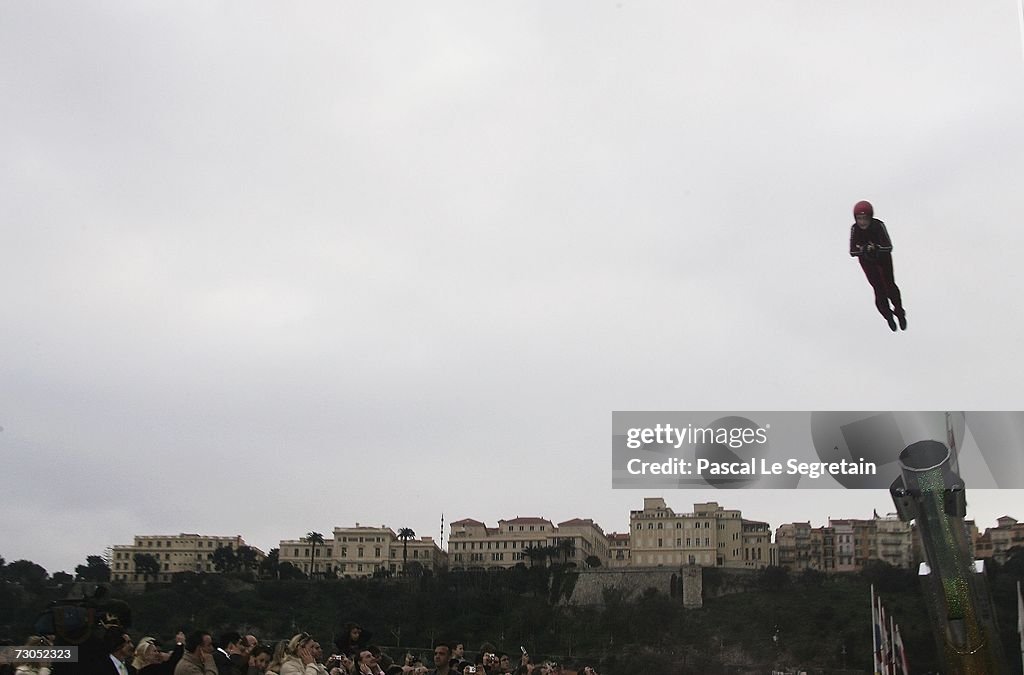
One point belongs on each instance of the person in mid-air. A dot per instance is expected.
(870, 244)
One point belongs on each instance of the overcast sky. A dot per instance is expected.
(271, 268)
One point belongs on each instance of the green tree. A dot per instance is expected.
(225, 559)
(415, 569)
(271, 564)
(94, 569)
(287, 571)
(313, 539)
(62, 578)
(405, 534)
(146, 564)
(26, 573)
(247, 559)
(592, 561)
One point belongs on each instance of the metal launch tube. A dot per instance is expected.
(931, 492)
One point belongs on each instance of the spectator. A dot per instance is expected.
(259, 658)
(231, 657)
(280, 652)
(442, 660)
(368, 664)
(354, 639)
(301, 657)
(198, 657)
(120, 649)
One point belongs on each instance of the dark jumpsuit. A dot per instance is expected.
(877, 265)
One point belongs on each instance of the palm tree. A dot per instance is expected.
(566, 547)
(313, 538)
(535, 553)
(550, 552)
(405, 534)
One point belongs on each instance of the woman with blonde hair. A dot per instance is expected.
(146, 654)
(280, 651)
(150, 660)
(300, 657)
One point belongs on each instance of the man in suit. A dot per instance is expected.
(232, 656)
(120, 650)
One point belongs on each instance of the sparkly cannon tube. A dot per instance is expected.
(931, 492)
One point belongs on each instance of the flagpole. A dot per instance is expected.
(1020, 623)
(883, 640)
(874, 634)
(892, 649)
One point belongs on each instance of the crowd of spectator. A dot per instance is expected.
(353, 653)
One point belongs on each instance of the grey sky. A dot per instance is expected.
(272, 268)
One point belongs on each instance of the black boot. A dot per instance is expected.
(903, 321)
(892, 323)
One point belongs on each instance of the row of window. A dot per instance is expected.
(679, 542)
(696, 526)
(167, 556)
(414, 553)
(117, 566)
(472, 545)
(360, 540)
(186, 544)
(495, 557)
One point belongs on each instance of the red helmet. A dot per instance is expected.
(863, 208)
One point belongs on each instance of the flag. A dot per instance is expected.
(1020, 618)
(875, 634)
(1020, 614)
(883, 642)
(899, 653)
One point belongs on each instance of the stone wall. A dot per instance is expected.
(689, 583)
